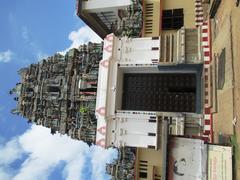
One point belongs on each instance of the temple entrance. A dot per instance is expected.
(175, 92)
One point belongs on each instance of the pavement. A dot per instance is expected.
(226, 101)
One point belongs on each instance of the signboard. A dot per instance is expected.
(219, 162)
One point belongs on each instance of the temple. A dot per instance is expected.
(146, 90)
(60, 92)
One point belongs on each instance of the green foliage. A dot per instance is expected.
(84, 109)
(234, 143)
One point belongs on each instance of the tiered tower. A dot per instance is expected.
(59, 92)
(123, 166)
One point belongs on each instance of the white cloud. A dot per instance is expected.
(41, 55)
(99, 159)
(1, 138)
(82, 36)
(25, 34)
(29, 46)
(10, 152)
(6, 56)
(45, 152)
(4, 175)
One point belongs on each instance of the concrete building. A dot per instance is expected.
(147, 85)
(181, 35)
(137, 163)
(143, 97)
(124, 165)
(107, 16)
(146, 18)
(138, 89)
(194, 160)
(155, 83)
(187, 158)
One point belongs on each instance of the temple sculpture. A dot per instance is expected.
(60, 92)
(123, 166)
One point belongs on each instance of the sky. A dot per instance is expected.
(29, 31)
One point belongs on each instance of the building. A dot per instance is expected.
(136, 163)
(158, 81)
(193, 159)
(144, 91)
(140, 86)
(220, 162)
(138, 18)
(150, 164)
(141, 99)
(124, 165)
(60, 92)
(104, 17)
(177, 25)
(187, 158)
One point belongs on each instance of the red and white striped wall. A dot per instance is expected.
(206, 46)
(198, 13)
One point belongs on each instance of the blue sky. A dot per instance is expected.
(29, 31)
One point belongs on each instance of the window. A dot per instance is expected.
(152, 120)
(143, 174)
(53, 89)
(151, 134)
(172, 19)
(143, 169)
(151, 147)
(107, 18)
(221, 69)
(157, 177)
